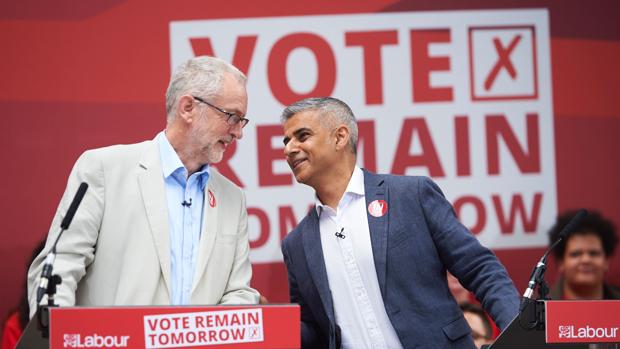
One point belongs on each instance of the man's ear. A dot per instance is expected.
(186, 107)
(342, 137)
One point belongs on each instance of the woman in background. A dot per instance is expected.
(583, 258)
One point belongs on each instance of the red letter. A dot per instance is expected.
(496, 126)
(480, 212)
(276, 67)
(507, 226)
(263, 220)
(244, 50)
(267, 155)
(371, 43)
(428, 158)
(461, 136)
(366, 137)
(152, 324)
(423, 64)
(202, 46)
(225, 168)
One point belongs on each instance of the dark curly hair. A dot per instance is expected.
(593, 223)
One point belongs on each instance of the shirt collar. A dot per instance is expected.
(355, 187)
(172, 166)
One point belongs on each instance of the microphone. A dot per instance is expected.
(541, 267)
(187, 204)
(48, 266)
(77, 199)
(340, 234)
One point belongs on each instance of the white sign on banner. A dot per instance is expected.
(200, 329)
(461, 96)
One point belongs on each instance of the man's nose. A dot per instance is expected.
(290, 148)
(236, 130)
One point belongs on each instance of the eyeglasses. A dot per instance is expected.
(232, 118)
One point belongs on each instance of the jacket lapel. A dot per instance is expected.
(316, 264)
(151, 183)
(210, 224)
(376, 189)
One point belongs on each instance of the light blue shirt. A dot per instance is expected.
(185, 221)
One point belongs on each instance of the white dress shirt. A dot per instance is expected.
(358, 304)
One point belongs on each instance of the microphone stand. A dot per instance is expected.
(532, 311)
(49, 280)
(53, 280)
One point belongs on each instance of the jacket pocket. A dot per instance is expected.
(456, 329)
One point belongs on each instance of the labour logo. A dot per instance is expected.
(71, 340)
(564, 331)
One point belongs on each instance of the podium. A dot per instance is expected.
(565, 325)
(233, 327)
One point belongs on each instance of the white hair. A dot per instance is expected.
(200, 76)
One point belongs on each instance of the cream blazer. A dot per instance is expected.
(117, 249)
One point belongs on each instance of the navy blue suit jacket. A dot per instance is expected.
(413, 244)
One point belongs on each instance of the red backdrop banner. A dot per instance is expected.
(80, 75)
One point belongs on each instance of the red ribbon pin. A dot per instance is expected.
(212, 201)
